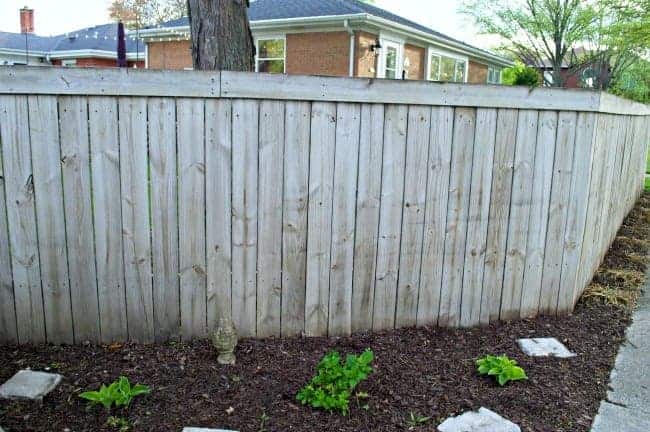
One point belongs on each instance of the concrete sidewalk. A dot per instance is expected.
(627, 407)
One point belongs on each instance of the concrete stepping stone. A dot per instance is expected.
(27, 384)
(482, 420)
(544, 347)
(195, 429)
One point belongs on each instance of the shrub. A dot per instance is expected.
(331, 388)
(119, 393)
(500, 367)
(522, 75)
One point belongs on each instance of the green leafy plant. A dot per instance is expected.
(501, 367)
(416, 420)
(119, 393)
(122, 424)
(332, 387)
(521, 75)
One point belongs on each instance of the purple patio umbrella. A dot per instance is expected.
(121, 46)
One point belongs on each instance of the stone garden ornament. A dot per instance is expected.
(224, 340)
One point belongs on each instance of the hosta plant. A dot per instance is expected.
(502, 368)
(335, 382)
(119, 393)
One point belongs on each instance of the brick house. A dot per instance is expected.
(89, 47)
(337, 38)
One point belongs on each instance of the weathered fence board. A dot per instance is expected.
(164, 217)
(319, 218)
(75, 169)
(135, 209)
(190, 144)
(269, 225)
(390, 216)
(367, 223)
(21, 218)
(415, 194)
(50, 222)
(435, 218)
(136, 238)
(294, 216)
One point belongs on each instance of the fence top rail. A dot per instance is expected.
(225, 84)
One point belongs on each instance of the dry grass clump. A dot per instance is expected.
(596, 292)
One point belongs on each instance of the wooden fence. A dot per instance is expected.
(145, 205)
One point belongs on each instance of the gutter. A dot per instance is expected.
(346, 26)
(89, 53)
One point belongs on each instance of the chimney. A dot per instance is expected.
(26, 20)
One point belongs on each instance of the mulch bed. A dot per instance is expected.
(428, 371)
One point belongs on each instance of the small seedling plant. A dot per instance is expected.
(119, 393)
(416, 420)
(335, 382)
(502, 368)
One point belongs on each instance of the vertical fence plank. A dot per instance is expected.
(346, 157)
(218, 192)
(21, 218)
(457, 214)
(245, 130)
(522, 187)
(269, 250)
(415, 195)
(478, 216)
(390, 216)
(105, 166)
(367, 223)
(191, 216)
(50, 220)
(136, 232)
(8, 330)
(577, 210)
(319, 219)
(557, 214)
(501, 192)
(539, 207)
(75, 167)
(294, 216)
(435, 219)
(164, 217)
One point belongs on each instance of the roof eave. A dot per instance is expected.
(91, 53)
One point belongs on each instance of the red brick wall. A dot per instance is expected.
(416, 58)
(325, 53)
(169, 55)
(365, 61)
(477, 73)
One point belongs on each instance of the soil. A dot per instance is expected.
(428, 371)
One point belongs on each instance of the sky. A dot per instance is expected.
(60, 16)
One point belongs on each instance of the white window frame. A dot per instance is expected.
(492, 69)
(442, 53)
(399, 61)
(264, 37)
(69, 63)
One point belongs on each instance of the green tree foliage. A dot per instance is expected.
(522, 75)
(140, 13)
(634, 82)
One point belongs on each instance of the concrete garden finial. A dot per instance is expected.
(224, 340)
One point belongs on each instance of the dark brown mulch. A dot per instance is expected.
(429, 372)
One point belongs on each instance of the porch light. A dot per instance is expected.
(375, 47)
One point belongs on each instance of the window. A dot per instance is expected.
(444, 68)
(390, 64)
(494, 75)
(69, 63)
(270, 55)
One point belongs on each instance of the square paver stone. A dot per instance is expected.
(482, 421)
(27, 384)
(544, 347)
(194, 429)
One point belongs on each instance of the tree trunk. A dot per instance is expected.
(221, 35)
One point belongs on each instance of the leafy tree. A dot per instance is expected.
(536, 31)
(634, 82)
(140, 13)
(523, 75)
